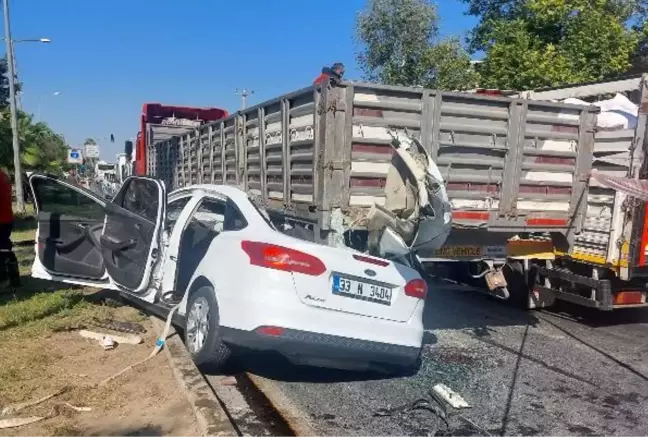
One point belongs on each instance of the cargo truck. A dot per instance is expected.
(603, 265)
(159, 122)
(323, 160)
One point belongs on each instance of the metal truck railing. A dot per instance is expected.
(510, 165)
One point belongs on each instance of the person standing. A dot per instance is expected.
(8, 261)
(335, 73)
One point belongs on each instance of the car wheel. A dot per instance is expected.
(202, 330)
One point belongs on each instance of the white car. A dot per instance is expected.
(237, 281)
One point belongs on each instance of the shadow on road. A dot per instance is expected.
(458, 307)
(595, 318)
(276, 367)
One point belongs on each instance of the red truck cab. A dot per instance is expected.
(158, 121)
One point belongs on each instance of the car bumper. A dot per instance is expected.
(315, 349)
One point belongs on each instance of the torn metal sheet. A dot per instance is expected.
(417, 211)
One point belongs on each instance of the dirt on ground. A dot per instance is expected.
(42, 353)
(143, 401)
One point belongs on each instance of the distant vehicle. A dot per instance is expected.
(237, 280)
(104, 171)
(159, 122)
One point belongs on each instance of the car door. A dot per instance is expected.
(130, 241)
(70, 221)
(85, 240)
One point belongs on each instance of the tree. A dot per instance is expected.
(90, 141)
(400, 46)
(41, 148)
(4, 84)
(539, 43)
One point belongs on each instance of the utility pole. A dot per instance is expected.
(14, 111)
(244, 93)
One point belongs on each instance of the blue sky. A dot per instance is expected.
(107, 58)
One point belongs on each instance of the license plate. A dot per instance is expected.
(347, 287)
(459, 251)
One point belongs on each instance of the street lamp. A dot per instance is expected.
(13, 52)
(40, 102)
(20, 200)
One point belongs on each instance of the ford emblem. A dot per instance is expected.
(370, 272)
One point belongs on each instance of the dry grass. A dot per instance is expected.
(40, 353)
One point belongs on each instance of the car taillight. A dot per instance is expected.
(282, 258)
(416, 288)
(366, 259)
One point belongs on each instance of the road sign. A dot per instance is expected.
(91, 151)
(75, 156)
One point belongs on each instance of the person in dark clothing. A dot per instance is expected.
(335, 73)
(8, 261)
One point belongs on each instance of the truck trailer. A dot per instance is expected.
(604, 265)
(320, 160)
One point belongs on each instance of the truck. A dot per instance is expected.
(604, 266)
(327, 164)
(159, 122)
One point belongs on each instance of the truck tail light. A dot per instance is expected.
(416, 288)
(629, 298)
(282, 258)
(541, 222)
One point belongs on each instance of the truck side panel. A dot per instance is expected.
(312, 151)
(509, 164)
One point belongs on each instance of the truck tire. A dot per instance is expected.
(202, 330)
(517, 285)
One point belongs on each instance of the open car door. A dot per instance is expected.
(82, 239)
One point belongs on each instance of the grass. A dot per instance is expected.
(38, 308)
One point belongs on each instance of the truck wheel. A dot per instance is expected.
(202, 330)
(517, 285)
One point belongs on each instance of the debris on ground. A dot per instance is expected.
(450, 396)
(99, 336)
(15, 422)
(22, 405)
(119, 325)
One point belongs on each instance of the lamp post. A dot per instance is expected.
(15, 67)
(244, 93)
(20, 200)
(40, 102)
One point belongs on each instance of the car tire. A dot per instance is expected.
(208, 349)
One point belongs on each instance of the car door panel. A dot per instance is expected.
(65, 216)
(129, 240)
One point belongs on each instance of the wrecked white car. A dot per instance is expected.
(208, 252)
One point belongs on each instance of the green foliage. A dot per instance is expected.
(539, 43)
(4, 84)
(41, 148)
(90, 141)
(400, 46)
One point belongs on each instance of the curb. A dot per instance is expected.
(290, 414)
(210, 415)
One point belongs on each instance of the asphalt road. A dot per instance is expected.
(562, 372)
